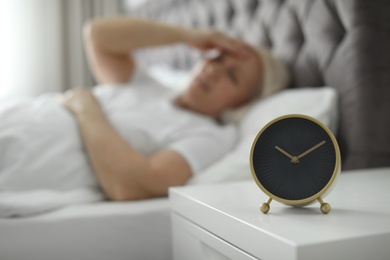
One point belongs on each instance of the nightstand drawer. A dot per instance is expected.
(190, 242)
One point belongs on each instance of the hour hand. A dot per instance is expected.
(283, 152)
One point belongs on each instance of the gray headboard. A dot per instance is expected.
(339, 43)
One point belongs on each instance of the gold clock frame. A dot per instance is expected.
(325, 207)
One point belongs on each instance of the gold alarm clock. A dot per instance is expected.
(295, 160)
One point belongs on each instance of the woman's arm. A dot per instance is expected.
(109, 43)
(123, 173)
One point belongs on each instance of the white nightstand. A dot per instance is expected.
(223, 221)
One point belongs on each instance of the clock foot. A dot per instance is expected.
(265, 206)
(325, 207)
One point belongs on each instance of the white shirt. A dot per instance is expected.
(144, 114)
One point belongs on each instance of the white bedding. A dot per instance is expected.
(36, 176)
(30, 163)
(103, 230)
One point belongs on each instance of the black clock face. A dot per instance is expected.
(294, 158)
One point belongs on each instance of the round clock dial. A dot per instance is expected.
(295, 159)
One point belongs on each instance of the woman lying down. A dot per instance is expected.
(130, 136)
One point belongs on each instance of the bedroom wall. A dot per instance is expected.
(30, 46)
(41, 46)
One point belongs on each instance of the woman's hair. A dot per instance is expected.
(275, 74)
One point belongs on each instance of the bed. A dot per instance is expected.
(337, 52)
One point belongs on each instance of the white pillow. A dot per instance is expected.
(320, 103)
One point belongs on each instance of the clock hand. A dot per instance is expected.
(311, 149)
(294, 159)
(284, 152)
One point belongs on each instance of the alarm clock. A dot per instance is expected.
(295, 160)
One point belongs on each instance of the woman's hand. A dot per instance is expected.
(81, 102)
(210, 39)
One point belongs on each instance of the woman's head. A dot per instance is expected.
(221, 82)
(226, 81)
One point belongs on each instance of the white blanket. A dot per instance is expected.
(28, 203)
(35, 175)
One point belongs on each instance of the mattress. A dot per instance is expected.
(104, 230)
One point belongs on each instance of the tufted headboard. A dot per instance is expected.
(339, 43)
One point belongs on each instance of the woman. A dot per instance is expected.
(140, 138)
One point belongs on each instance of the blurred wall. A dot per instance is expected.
(41, 45)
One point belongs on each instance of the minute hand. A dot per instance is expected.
(311, 149)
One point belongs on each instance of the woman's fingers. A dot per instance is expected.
(233, 46)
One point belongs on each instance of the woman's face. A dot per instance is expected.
(222, 82)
